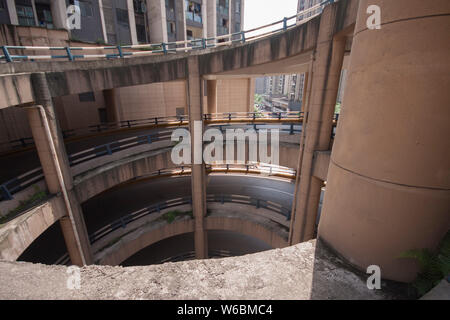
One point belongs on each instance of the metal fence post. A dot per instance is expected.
(6, 53)
(164, 47)
(285, 23)
(69, 54)
(6, 194)
(120, 51)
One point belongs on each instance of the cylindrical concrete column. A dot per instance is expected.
(388, 188)
(74, 229)
(156, 13)
(59, 14)
(198, 174)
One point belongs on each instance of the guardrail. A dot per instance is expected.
(157, 208)
(181, 120)
(119, 51)
(9, 188)
(65, 259)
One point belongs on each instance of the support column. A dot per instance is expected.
(156, 13)
(317, 125)
(198, 176)
(132, 22)
(212, 95)
(251, 95)
(180, 17)
(388, 188)
(56, 168)
(211, 25)
(13, 19)
(112, 106)
(59, 14)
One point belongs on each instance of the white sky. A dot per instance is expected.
(261, 12)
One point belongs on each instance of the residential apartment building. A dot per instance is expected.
(130, 21)
(305, 5)
(122, 22)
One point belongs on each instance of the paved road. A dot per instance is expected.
(15, 164)
(107, 207)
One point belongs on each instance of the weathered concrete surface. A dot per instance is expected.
(73, 77)
(18, 234)
(303, 271)
(440, 292)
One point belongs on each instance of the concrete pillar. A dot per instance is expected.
(211, 25)
(132, 20)
(59, 14)
(388, 188)
(205, 19)
(212, 95)
(156, 13)
(33, 5)
(12, 12)
(74, 231)
(198, 177)
(317, 124)
(102, 19)
(112, 105)
(180, 17)
(251, 95)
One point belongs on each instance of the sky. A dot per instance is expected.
(261, 12)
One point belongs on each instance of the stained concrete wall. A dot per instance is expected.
(150, 233)
(19, 233)
(152, 100)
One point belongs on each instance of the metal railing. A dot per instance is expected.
(121, 51)
(170, 121)
(25, 180)
(122, 222)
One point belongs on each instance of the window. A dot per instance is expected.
(86, 9)
(2, 4)
(171, 27)
(139, 6)
(25, 13)
(122, 16)
(189, 34)
(238, 6)
(86, 97)
(141, 35)
(44, 15)
(193, 11)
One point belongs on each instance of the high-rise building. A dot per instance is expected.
(130, 21)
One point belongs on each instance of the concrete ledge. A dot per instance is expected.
(304, 271)
(19, 233)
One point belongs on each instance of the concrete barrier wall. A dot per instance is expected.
(18, 234)
(237, 219)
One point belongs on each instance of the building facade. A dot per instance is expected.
(130, 21)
